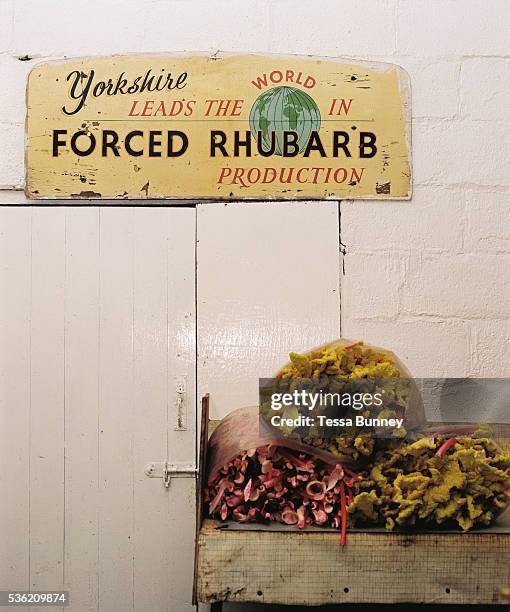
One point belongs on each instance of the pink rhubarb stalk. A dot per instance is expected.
(446, 446)
(343, 538)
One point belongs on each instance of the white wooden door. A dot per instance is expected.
(97, 326)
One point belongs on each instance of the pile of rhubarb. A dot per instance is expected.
(272, 483)
(329, 369)
(259, 473)
(462, 481)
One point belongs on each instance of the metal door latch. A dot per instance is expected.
(167, 471)
(180, 404)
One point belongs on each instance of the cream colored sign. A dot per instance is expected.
(234, 127)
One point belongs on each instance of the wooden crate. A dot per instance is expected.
(281, 565)
(311, 568)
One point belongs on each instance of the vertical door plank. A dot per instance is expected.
(181, 444)
(47, 399)
(181, 329)
(81, 398)
(150, 406)
(180, 542)
(267, 284)
(116, 405)
(164, 349)
(15, 246)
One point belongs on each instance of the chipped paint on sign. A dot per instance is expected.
(233, 127)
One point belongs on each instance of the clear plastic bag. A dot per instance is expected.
(375, 363)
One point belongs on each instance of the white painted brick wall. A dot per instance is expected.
(444, 28)
(80, 27)
(402, 226)
(461, 152)
(488, 222)
(458, 286)
(373, 292)
(431, 347)
(484, 89)
(434, 83)
(452, 243)
(490, 345)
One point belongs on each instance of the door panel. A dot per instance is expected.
(97, 321)
(267, 284)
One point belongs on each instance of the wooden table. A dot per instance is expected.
(278, 564)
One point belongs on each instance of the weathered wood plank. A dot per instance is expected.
(15, 280)
(150, 339)
(313, 569)
(47, 400)
(181, 309)
(82, 407)
(116, 411)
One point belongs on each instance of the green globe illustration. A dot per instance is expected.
(284, 109)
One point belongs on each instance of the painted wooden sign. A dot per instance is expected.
(233, 127)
